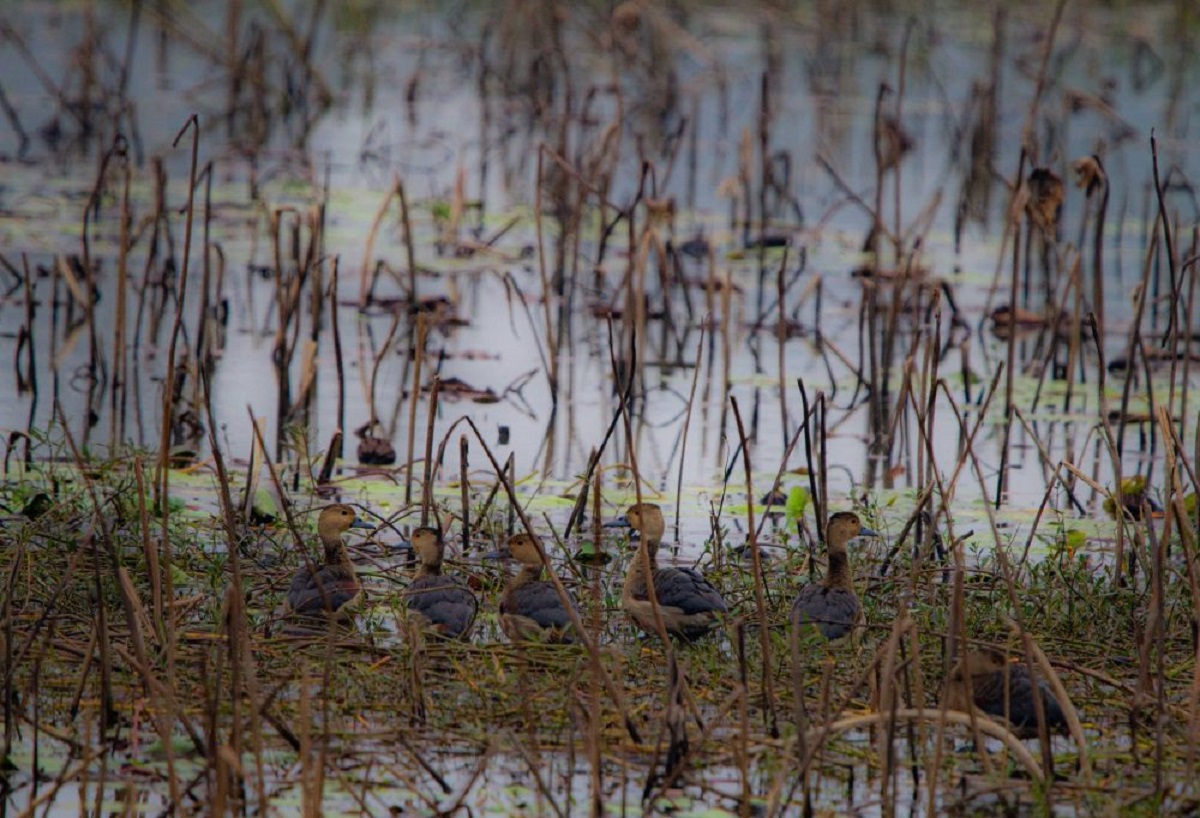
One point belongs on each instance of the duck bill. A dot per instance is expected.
(868, 532)
(620, 522)
(499, 554)
(361, 524)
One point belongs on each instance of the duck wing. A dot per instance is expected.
(540, 602)
(833, 610)
(687, 590)
(988, 690)
(327, 589)
(445, 602)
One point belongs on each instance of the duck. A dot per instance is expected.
(331, 588)
(689, 605)
(987, 669)
(531, 609)
(443, 604)
(831, 605)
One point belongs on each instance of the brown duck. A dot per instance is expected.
(443, 604)
(331, 588)
(1002, 689)
(832, 605)
(689, 605)
(531, 608)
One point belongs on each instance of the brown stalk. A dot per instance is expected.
(687, 422)
(552, 370)
(1068, 708)
(150, 553)
(1007, 575)
(410, 248)
(168, 406)
(584, 637)
(335, 451)
(427, 482)
(204, 336)
(984, 725)
(116, 407)
(1172, 266)
(464, 485)
(768, 683)
(810, 414)
(235, 621)
(166, 709)
(781, 332)
(366, 283)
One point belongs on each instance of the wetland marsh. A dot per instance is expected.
(496, 267)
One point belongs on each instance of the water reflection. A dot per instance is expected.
(576, 195)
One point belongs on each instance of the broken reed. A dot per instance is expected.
(893, 708)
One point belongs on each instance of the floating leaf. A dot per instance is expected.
(1074, 540)
(797, 502)
(588, 552)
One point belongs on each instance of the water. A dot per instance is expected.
(822, 95)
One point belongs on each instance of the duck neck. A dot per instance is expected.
(637, 575)
(430, 569)
(527, 574)
(336, 553)
(839, 568)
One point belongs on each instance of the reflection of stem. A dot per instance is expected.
(379, 356)
(409, 248)
(687, 422)
(552, 370)
(117, 399)
(1013, 225)
(336, 452)
(418, 355)
(1098, 255)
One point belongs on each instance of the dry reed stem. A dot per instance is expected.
(150, 554)
(687, 422)
(981, 722)
(552, 369)
(427, 481)
(366, 281)
(585, 638)
(760, 602)
(1068, 708)
(162, 484)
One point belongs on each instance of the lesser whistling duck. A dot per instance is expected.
(331, 588)
(689, 605)
(443, 604)
(832, 604)
(1002, 689)
(531, 608)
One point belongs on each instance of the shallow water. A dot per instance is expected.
(822, 96)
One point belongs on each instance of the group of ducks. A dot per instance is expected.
(679, 601)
